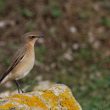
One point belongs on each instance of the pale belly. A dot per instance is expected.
(20, 71)
(23, 68)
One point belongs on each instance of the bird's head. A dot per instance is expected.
(32, 37)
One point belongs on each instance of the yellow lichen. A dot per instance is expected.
(69, 101)
(6, 106)
(56, 98)
(29, 100)
(50, 97)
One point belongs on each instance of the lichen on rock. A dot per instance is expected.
(57, 97)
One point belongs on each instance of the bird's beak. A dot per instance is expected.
(39, 40)
(41, 35)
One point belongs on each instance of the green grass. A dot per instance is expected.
(105, 21)
(55, 9)
(40, 52)
(25, 12)
(96, 96)
(30, 26)
(89, 82)
(2, 6)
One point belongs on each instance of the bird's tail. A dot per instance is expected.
(2, 80)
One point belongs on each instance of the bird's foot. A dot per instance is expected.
(20, 91)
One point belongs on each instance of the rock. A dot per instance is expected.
(57, 97)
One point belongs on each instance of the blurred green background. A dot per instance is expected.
(75, 51)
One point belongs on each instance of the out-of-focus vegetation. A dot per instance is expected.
(75, 51)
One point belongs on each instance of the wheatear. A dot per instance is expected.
(23, 61)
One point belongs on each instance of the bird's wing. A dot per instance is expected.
(18, 57)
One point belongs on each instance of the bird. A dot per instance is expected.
(23, 60)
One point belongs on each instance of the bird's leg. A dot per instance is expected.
(18, 86)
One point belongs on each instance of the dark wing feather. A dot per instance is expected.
(18, 57)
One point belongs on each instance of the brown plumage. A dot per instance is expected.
(23, 60)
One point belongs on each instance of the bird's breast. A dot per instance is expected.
(25, 65)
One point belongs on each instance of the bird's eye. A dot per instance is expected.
(32, 37)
